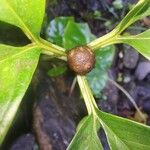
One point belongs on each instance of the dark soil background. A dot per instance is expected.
(48, 116)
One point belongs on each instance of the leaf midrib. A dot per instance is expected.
(136, 143)
(132, 20)
(133, 38)
(121, 139)
(22, 50)
(26, 29)
(93, 134)
(113, 132)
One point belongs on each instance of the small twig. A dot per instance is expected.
(129, 97)
(72, 86)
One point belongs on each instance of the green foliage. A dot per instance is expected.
(124, 134)
(55, 30)
(141, 9)
(17, 65)
(77, 34)
(86, 137)
(139, 42)
(65, 32)
(121, 133)
(25, 14)
(98, 76)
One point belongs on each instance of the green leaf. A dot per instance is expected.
(86, 137)
(140, 10)
(57, 71)
(98, 77)
(76, 34)
(55, 29)
(140, 42)
(26, 14)
(17, 66)
(123, 134)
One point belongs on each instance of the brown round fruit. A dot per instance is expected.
(81, 60)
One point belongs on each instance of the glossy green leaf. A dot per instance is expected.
(55, 29)
(140, 10)
(123, 134)
(140, 42)
(77, 34)
(86, 136)
(17, 66)
(98, 76)
(26, 14)
(57, 71)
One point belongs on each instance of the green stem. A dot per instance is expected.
(49, 53)
(108, 39)
(87, 94)
(51, 49)
(47, 47)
